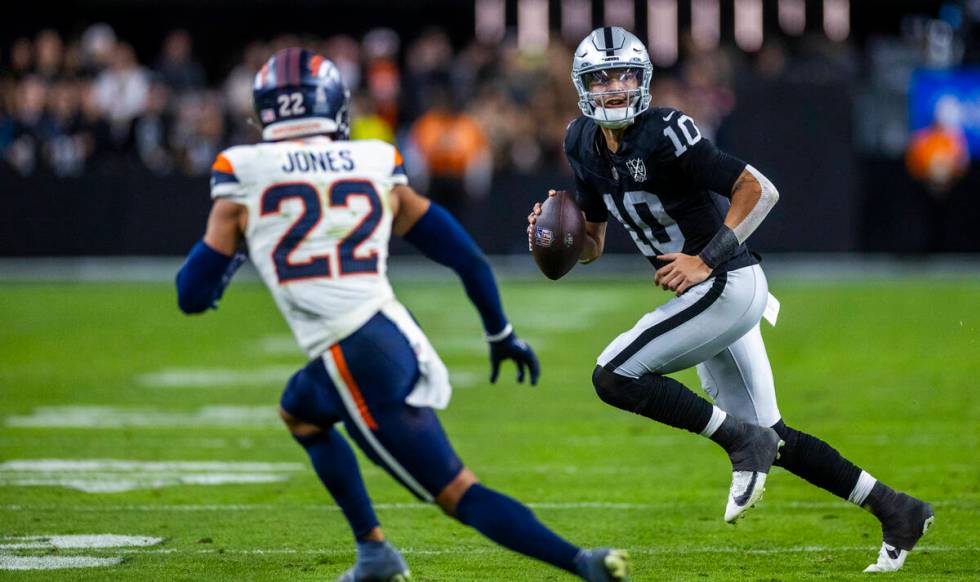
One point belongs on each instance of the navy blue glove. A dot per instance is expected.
(513, 348)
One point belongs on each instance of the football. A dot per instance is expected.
(559, 234)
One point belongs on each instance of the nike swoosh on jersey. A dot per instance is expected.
(671, 114)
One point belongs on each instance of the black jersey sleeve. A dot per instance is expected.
(701, 161)
(587, 197)
(590, 202)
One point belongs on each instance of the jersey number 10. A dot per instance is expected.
(691, 134)
(314, 267)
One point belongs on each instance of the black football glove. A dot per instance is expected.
(513, 348)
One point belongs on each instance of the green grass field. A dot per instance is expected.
(885, 371)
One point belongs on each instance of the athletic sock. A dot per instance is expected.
(336, 466)
(672, 403)
(512, 525)
(814, 460)
(656, 397)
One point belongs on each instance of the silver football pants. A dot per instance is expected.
(714, 326)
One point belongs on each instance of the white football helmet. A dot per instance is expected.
(606, 48)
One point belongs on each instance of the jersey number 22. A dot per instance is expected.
(348, 260)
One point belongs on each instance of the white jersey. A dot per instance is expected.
(319, 223)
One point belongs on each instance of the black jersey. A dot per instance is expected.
(665, 184)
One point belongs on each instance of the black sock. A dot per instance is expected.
(817, 462)
(654, 396)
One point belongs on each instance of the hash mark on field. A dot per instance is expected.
(120, 417)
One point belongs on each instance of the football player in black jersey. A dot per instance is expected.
(689, 207)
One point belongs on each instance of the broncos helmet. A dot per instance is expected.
(300, 93)
(606, 48)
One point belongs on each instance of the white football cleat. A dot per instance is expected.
(890, 559)
(747, 488)
(906, 527)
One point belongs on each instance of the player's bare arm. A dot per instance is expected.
(407, 206)
(595, 234)
(226, 225)
(213, 261)
(752, 197)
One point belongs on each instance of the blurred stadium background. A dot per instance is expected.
(118, 414)
(865, 113)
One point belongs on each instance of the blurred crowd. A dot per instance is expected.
(70, 105)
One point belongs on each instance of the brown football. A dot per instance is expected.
(559, 234)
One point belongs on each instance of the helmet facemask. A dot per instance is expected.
(613, 95)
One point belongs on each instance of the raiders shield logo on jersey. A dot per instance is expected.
(638, 169)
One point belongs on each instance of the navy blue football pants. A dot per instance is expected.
(363, 381)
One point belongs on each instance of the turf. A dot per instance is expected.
(884, 370)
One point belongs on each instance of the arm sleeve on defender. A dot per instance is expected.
(442, 238)
(203, 277)
(767, 200)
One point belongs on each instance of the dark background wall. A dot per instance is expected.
(797, 129)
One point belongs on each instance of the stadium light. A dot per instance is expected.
(491, 20)
(662, 31)
(576, 19)
(620, 13)
(792, 16)
(705, 24)
(837, 19)
(532, 25)
(748, 24)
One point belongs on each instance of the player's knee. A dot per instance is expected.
(616, 390)
(298, 427)
(450, 495)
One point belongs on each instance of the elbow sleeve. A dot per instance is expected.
(767, 199)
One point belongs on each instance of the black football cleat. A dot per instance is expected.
(904, 520)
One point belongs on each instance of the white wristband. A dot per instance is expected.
(508, 329)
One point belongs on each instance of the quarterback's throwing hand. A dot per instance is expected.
(681, 273)
(513, 348)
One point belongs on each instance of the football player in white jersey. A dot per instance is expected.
(316, 212)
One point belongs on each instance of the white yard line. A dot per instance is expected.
(217, 377)
(124, 416)
(116, 475)
(492, 550)
(54, 562)
(74, 542)
(327, 506)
